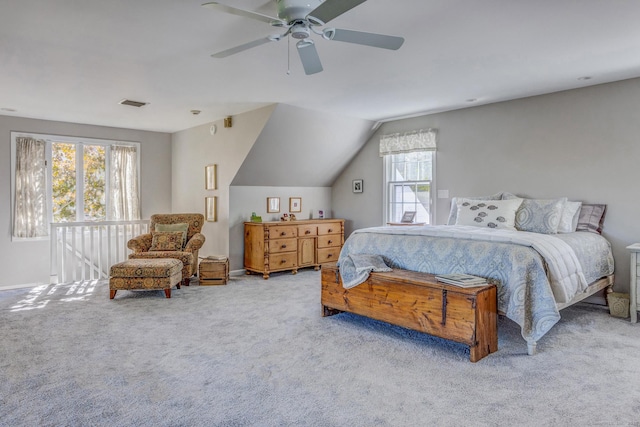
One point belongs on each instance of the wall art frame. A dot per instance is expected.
(211, 209)
(273, 204)
(358, 186)
(295, 204)
(210, 177)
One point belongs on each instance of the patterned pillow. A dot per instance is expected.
(591, 218)
(569, 218)
(540, 216)
(453, 213)
(488, 213)
(180, 226)
(166, 241)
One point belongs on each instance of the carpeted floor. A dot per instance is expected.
(258, 353)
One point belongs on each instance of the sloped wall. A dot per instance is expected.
(301, 147)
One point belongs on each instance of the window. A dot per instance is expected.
(81, 180)
(409, 160)
(409, 178)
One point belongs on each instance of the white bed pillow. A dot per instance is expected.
(488, 213)
(569, 218)
(453, 213)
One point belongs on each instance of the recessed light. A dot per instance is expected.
(10, 110)
(472, 99)
(585, 78)
(195, 112)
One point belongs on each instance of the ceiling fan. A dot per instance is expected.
(301, 18)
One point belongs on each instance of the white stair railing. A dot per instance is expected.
(85, 250)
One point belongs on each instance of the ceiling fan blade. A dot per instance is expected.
(245, 13)
(367, 39)
(309, 56)
(333, 8)
(245, 46)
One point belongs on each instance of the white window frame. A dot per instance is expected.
(387, 173)
(49, 140)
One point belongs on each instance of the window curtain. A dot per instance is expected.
(123, 184)
(396, 143)
(30, 210)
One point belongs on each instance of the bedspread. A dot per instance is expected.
(533, 271)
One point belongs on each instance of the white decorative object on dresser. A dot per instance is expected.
(634, 301)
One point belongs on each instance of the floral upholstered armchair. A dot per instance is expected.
(172, 236)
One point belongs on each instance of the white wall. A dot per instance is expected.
(583, 144)
(195, 148)
(245, 200)
(28, 262)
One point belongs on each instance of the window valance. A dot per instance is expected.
(419, 140)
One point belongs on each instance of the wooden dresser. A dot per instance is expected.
(290, 245)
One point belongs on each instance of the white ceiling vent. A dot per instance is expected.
(133, 103)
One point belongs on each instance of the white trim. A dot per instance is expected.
(386, 171)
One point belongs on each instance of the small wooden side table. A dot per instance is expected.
(213, 271)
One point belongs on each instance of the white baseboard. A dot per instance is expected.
(24, 285)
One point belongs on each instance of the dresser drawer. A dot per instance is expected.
(282, 245)
(331, 228)
(326, 255)
(307, 230)
(329, 241)
(283, 261)
(282, 232)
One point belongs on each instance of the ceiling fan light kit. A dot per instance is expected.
(301, 18)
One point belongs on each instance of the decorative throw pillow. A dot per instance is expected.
(453, 213)
(180, 226)
(488, 213)
(540, 216)
(569, 217)
(591, 218)
(166, 241)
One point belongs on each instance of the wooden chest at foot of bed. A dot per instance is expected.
(417, 301)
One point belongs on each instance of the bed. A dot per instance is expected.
(537, 274)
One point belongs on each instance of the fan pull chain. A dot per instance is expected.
(288, 55)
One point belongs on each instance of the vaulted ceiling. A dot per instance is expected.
(73, 61)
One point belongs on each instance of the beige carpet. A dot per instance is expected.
(258, 353)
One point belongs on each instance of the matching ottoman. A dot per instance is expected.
(156, 273)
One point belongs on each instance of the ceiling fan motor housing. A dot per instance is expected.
(300, 31)
(294, 10)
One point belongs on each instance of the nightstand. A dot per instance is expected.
(634, 287)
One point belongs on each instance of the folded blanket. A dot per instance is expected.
(358, 267)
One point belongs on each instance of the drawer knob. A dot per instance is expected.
(284, 261)
(283, 246)
(284, 233)
(307, 232)
(329, 256)
(330, 241)
(330, 230)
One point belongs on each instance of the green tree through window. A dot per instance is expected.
(64, 168)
